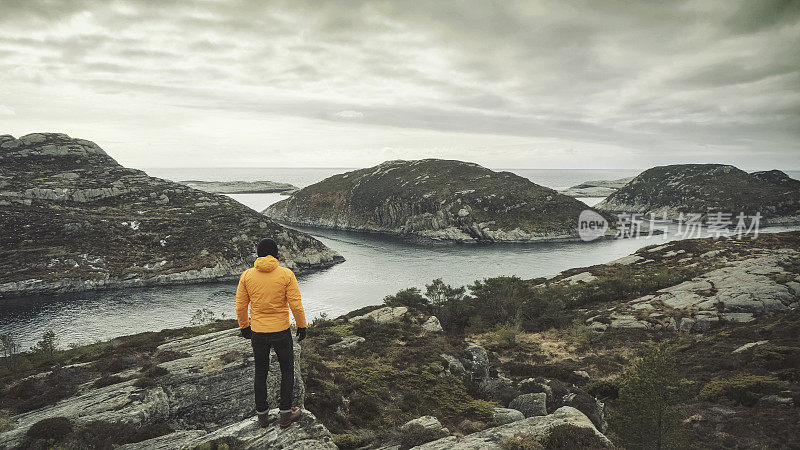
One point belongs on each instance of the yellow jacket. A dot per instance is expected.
(270, 291)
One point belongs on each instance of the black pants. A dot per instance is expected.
(281, 341)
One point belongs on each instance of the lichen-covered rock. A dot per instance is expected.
(437, 199)
(432, 325)
(706, 189)
(536, 427)
(347, 343)
(425, 422)
(67, 208)
(739, 292)
(502, 416)
(387, 314)
(533, 404)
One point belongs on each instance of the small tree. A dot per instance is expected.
(410, 297)
(647, 415)
(448, 303)
(10, 347)
(48, 345)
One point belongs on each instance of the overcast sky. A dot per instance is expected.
(534, 84)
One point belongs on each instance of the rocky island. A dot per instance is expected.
(706, 189)
(72, 218)
(583, 359)
(596, 188)
(241, 187)
(436, 199)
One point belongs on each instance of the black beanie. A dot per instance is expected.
(267, 247)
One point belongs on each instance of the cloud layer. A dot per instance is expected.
(508, 84)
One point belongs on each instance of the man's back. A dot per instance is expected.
(270, 291)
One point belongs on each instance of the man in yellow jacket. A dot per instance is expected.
(270, 291)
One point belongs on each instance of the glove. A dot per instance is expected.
(247, 333)
(301, 334)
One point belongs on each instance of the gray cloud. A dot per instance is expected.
(646, 78)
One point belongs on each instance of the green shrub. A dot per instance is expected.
(6, 422)
(355, 438)
(604, 389)
(411, 297)
(504, 336)
(154, 371)
(107, 381)
(99, 434)
(568, 437)
(231, 356)
(744, 389)
(521, 441)
(416, 434)
(47, 346)
(647, 414)
(52, 428)
(342, 330)
(144, 382)
(170, 355)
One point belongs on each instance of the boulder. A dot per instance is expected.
(432, 325)
(536, 427)
(347, 343)
(387, 314)
(453, 365)
(476, 362)
(427, 422)
(502, 416)
(533, 404)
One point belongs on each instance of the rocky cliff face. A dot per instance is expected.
(438, 199)
(708, 188)
(72, 218)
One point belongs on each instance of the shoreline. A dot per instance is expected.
(28, 288)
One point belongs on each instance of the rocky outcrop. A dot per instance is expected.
(596, 188)
(241, 187)
(307, 434)
(72, 218)
(436, 199)
(707, 189)
(534, 427)
(739, 292)
(206, 393)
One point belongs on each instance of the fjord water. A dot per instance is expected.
(375, 266)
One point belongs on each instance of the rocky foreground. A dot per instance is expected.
(436, 199)
(72, 218)
(668, 191)
(241, 187)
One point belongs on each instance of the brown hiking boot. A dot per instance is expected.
(265, 420)
(289, 417)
